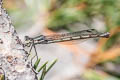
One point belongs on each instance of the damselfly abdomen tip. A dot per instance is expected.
(105, 35)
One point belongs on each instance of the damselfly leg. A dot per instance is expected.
(30, 42)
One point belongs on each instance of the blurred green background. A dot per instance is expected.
(65, 15)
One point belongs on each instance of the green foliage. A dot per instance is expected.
(70, 3)
(42, 66)
(93, 75)
(36, 64)
(43, 69)
(63, 17)
(2, 77)
(112, 41)
(114, 61)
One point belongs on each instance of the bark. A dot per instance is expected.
(13, 57)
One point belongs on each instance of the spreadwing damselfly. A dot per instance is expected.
(55, 38)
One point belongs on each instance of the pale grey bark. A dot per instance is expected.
(13, 58)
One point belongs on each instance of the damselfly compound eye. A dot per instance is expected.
(27, 41)
(27, 38)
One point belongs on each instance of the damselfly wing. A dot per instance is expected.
(80, 36)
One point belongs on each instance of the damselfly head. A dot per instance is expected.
(105, 35)
(27, 41)
(27, 38)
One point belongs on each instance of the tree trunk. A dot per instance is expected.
(13, 58)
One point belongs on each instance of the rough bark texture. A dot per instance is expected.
(13, 59)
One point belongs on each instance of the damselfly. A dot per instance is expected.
(79, 35)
